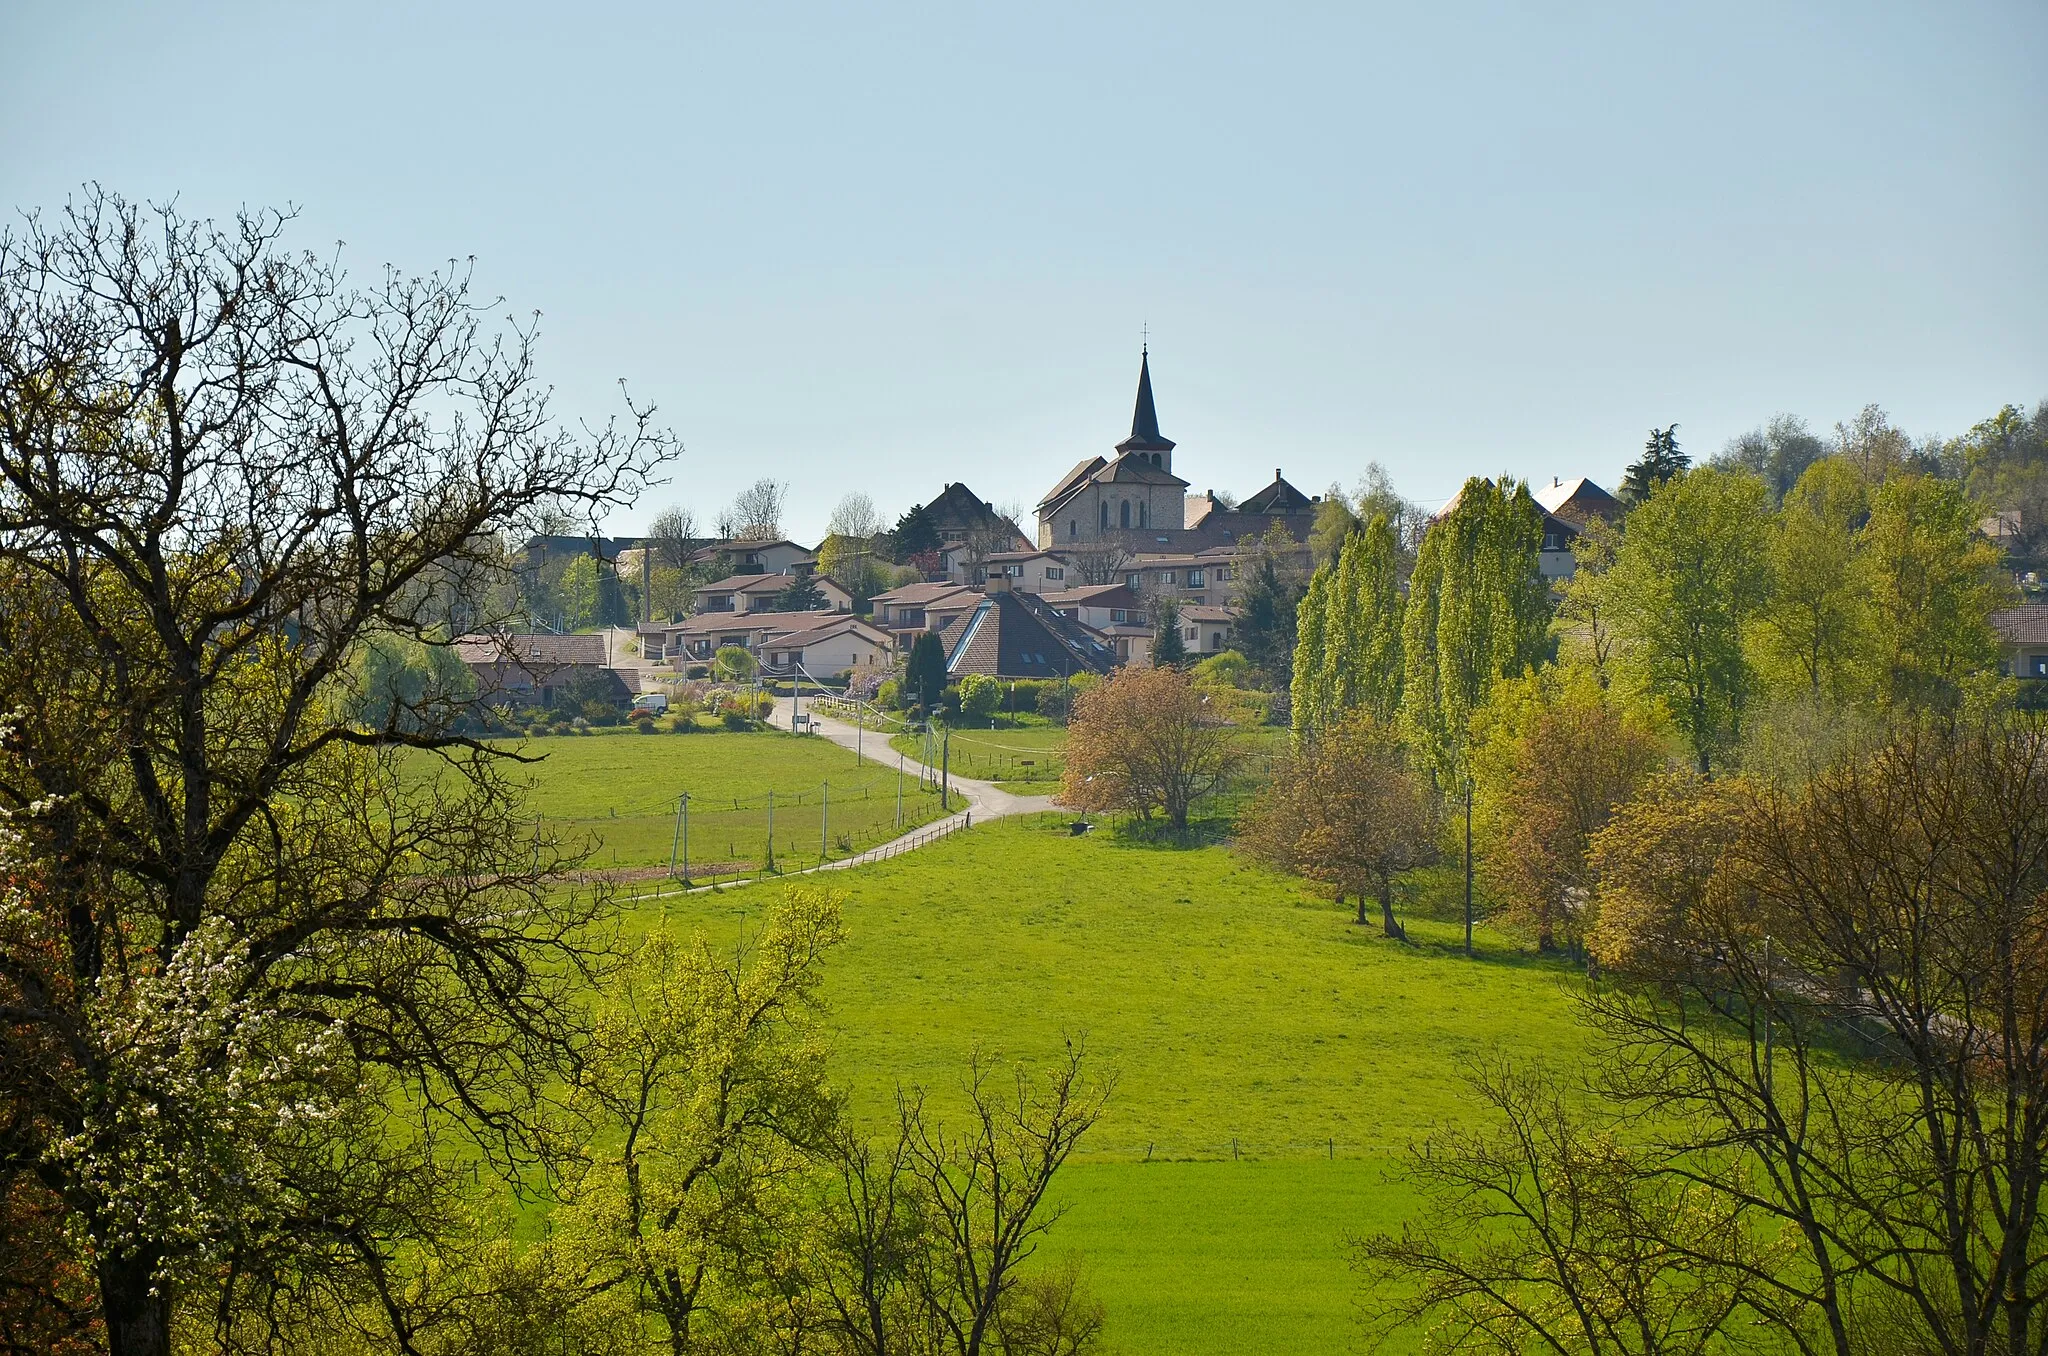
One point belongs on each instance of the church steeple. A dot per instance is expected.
(1145, 436)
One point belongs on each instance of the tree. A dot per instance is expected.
(1334, 523)
(915, 534)
(697, 1105)
(1477, 611)
(1838, 1028)
(576, 594)
(980, 695)
(756, 512)
(1553, 758)
(1146, 741)
(1269, 594)
(1097, 563)
(733, 664)
(926, 1242)
(1691, 576)
(1777, 454)
(268, 976)
(1661, 461)
(925, 672)
(1169, 648)
(672, 537)
(1933, 586)
(1587, 635)
(1548, 1231)
(1349, 656)
(1349, 811)
(855, 518)
(1816, 630)
(801, 595)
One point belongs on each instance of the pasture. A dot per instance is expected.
(1272, 1058)
(619, 791)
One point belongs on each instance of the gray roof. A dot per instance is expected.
(2026, 625)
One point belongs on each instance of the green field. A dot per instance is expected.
(619, 791)
(1243, 1017)
(1025, 758)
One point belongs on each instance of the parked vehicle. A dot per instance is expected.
(657, 702)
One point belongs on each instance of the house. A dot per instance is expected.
(1198, 578)
(1016, 635)
(1278, 504)
(908, 612)
(1100, 605)
(1568, 506)
(1028, 571)
(1113, 612)
(824, 649)
(758, 593)
(764, 557)
(960, 515)
(2023, 640)
(535, 669)
(1206, 628)
(694, 640)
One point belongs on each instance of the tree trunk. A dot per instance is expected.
(1387, 920)
(1361, 906)
(138, 1321)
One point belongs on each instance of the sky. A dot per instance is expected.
(878, 248)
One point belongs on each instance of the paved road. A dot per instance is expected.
(984, 799)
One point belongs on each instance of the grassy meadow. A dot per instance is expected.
(1272, 1058)
(619, 790)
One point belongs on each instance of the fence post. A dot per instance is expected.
(676, 836)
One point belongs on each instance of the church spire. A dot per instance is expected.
(1145, 435)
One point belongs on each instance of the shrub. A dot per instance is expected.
(736, 720)
(980, 695)
(889, 696)
(644, 726)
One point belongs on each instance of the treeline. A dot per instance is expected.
(1759, 771)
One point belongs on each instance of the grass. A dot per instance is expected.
(620, 790)
(1243, 1017)
(1024, 758)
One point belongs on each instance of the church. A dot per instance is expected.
(1134, 502)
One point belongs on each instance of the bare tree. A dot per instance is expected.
(930, 1239)
(257, 968)
(1100, 563)
(756, 512)
(856, 518)
(673, 536)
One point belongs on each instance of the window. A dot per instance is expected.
(1222, 573)
(1193, 633)
(1142, 506)
(1124, 514)
(1055, 572)
(1133, 581)
(1194, 579)
(1117, 616)
(1105, 515)
(1073, 528)
(1166, 576)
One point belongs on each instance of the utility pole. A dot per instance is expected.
(771, 824)
(946, 773)
(860, 718)
(686, 838)
(796, 697)
(899, 790)
(676, 836)
(1468, 864)
(825, 820)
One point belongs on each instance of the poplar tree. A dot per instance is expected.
(1477, 611)
(1353, 658)
(1310, 624)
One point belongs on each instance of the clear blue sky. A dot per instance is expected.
(879, 248)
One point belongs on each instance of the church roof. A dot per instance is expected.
(1073, 480)
(1135, 471)
(1145, 435)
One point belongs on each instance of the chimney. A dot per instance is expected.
(1276, 475)
(999, 583)
(1554, 482)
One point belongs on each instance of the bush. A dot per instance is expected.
(644, 726)
(683, 725)
(889, 696)
(949, 700)
(980, 696)
(736, 720)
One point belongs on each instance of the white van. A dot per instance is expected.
(657, 702)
